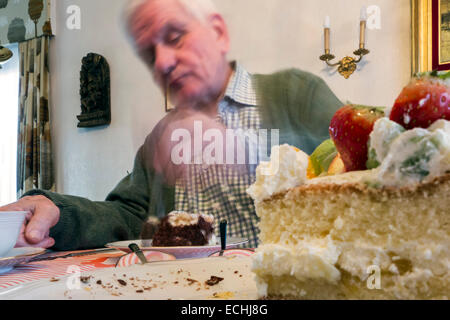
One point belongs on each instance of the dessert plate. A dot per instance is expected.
(17, 256)
(151, 256)
(178, 252)
(212, 278)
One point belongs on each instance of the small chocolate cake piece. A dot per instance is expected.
(149, 228)
(185, 229)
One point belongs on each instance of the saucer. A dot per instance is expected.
(178, 252)
(17, 256)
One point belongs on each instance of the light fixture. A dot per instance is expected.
(348, 64)
(5, 55)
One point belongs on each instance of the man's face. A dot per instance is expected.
(186, 56)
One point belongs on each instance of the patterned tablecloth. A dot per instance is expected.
(38, 270)
(59, 267)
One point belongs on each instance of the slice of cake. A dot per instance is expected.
(338, 238)
(382, 233)
(185, 229)
(348, 237)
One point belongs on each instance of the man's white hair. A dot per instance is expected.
(200, 9)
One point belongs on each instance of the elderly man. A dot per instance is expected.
(185, 45)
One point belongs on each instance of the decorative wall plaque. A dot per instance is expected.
(3, 3)
(95, 92)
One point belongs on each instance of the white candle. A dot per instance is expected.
(363, 16)
(362, 24)
(326, 24)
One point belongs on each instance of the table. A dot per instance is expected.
(103, 275)
(39, 270)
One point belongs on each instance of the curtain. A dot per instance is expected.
(34, 154)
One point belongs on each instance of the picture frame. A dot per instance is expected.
(430, 22)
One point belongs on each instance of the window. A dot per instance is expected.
(9, 100)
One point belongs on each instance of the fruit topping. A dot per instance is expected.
(350, 129)
(423, 101)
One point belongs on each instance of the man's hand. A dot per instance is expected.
(42, 215)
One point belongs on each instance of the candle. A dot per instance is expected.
(326, 37)
(363, 16)
(362, 34)
(326, 27)
(326, 24)
(362, 27)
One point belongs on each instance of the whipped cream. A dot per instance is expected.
(412, 156)
(181, 218)
(313, 259)
(384, 132)
(285, 170)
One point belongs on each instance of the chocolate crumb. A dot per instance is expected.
(139, 291)
(99, 282)
(191, 281)
(122, 282)
(213, 281)
(85, 279)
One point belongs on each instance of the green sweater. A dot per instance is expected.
(297, 103)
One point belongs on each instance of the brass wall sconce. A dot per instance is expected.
(347, 65)
(5, 55)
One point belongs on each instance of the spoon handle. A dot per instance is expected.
(223, 236)
(135, 248)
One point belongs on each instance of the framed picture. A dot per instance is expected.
(430, 35)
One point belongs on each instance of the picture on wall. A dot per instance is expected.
(441, 42)
(430, 35)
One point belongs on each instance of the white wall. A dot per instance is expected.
(267, 35)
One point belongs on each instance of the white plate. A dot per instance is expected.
(17, 256)
(178, 279)
(178, 252)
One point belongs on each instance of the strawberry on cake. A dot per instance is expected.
(367, 215)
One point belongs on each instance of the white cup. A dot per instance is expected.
(10, 223)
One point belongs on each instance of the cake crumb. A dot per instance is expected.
(223, 295)
(85, 279)
(213, 280)
(191, 281)
(122, 282)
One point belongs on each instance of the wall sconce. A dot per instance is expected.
(5, 55)
(347, 65)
